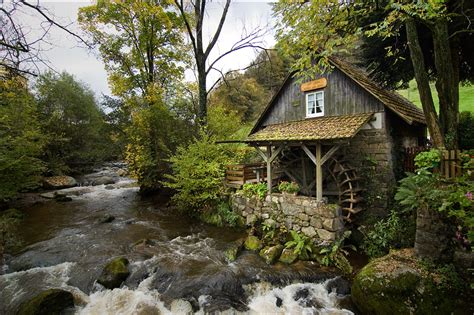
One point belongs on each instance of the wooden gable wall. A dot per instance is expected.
(342, 96)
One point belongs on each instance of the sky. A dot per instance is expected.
(65, 54)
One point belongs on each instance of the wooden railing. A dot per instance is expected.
(450, 165)
(239, 174)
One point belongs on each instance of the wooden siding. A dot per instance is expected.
(342, 96)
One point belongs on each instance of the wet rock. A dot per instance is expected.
(103, 180)
(181, 306)
(106, 219)
(62, 198)
(109, 187)
(339, 285)
(233, 251)
(52, 301)
(288, 256)
(279, 301)
(397, 284)
(271, 253)
(253, 243)
(59, 182)
(114, 273)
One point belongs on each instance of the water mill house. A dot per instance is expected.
(341, 137)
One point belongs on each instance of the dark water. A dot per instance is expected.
(66, 246)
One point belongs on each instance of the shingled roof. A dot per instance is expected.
(392, 100)
(321, 128)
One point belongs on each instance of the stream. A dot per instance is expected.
(66, 244)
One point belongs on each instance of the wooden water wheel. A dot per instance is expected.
(347, 182)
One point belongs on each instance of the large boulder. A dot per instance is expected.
(233, 250)
(399, 284)
(51, 302)
(114, 273)
(59, 182)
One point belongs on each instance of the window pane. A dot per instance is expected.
(310, 97)
(319, 106)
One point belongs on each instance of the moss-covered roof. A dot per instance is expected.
(321, 128)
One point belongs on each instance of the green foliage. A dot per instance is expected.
(141, 43)
(72, 122)
(466, 130)
(255, 189)
(153, 137)
(454, 198)
(394, 231)
(335, 254)
(198, 173)
(9, 222)
(289, 187)
(428, 160)
(222, 216)
(269, 230)
(301, 243)
(21, 140)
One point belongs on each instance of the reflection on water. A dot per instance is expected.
(172, 257)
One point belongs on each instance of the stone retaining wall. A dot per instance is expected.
(303, 214)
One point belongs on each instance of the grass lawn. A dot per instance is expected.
(466, 96)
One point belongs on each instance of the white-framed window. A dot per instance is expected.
(315, 104)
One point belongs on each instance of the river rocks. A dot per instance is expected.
(106, 219)
(271, 253)
(396, 284)
(181, 306)
(114, 273)
(233, 251)
(288, 256)
(253, 243)
(59, 182)
(52, 301)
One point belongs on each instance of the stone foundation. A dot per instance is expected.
(315, 219)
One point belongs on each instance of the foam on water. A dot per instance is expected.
(266, 299)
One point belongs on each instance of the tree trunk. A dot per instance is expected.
(202, 102)
(423, 84)
(446, 84)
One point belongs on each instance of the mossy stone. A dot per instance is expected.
(114, 273)
(253, 243)
(233, 251)
(51, 302)
(288, 256)
(395, 285)
(271, 253)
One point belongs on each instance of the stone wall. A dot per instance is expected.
(300, 213)
(370, 152)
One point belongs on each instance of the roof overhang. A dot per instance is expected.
(312, 130)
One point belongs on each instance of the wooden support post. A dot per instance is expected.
(319, 174)
(305, 180)
(269, 169)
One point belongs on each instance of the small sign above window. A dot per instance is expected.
(315, 104)
(314, 85)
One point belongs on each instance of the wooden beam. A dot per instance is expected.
(262, 154)
(328, 154)
(269, 169)
(275, 154)
(309, 153)
(319, 175)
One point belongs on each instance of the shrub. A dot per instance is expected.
(223, 216)
(198, 174)
(335, 254)
(301, 243)
(428, 159)
(392, 232)
(288, 187)
(255, 189)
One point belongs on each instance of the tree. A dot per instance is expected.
(318, 29)
(21, 51)
(194, 22)
(71, 120)
(21, 140)
(142, 46)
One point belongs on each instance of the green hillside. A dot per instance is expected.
(466, 96)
